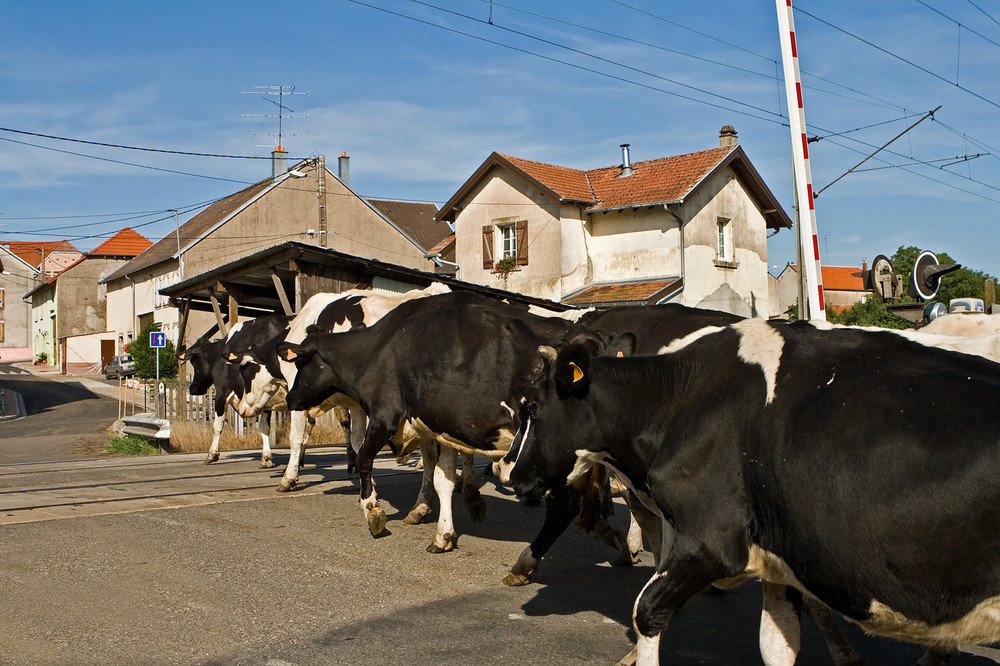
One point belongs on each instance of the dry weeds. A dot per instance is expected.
(196, 437)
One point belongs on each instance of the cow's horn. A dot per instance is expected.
(548, 353)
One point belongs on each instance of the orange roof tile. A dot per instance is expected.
(125, 243)
(841, 278)
(567, 183)
(620, 292)
(31, 251)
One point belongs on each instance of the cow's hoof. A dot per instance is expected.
(285, 485)
(437, 550)
(266, 464)
(211, 458)
(416, 516)
(516, 580)
(477, 508)
(376, 521)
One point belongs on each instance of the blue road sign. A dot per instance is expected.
(157, 340)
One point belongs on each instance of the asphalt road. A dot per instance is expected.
(167, 561)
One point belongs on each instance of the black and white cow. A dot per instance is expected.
(445, 368)
(209, 366)
(858, 467)
(642, 330)
(264, 375)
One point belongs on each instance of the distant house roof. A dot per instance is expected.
(840, 278)
(414, 218)
(659, 181)
(193, 229)
(632, 292)
(31, 252)
(125, 243)
(442, 245)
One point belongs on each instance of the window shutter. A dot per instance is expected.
(521, 237)
(488, 246)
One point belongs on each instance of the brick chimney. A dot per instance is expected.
(727, 137)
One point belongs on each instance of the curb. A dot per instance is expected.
(19, 410)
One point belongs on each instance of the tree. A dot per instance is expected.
(963, 283)
(145, 356)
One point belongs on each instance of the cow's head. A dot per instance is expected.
(555, 419)
(201, 356)
(314, 379)
(260, 375)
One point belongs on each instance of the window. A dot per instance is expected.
(2, 293)
(2, 331)
(512, 238)
(724, 244)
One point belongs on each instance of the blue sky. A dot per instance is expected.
(419, 94)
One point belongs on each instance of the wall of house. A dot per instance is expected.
(123, 314)
(43, 324)
(502, 197)
(14, 312)
(353, 227)
(82, 297)
(740, 286)
(634, 244)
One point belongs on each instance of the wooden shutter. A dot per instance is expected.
(521, 241)
(488, 246)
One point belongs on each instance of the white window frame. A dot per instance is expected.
(508, 240)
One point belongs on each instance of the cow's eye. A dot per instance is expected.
(532, 408)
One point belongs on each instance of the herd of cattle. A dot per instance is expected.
(846, 468)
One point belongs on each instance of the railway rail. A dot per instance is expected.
(38, 491)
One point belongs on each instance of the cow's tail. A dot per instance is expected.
(594, 505)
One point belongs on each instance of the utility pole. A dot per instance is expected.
(813, 306)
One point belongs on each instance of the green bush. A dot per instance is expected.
(145, 356)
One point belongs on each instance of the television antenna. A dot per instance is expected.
(268, 93)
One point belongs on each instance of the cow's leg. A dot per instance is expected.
(444, 484)
(561, 506)
(264, 426)
(648, 522)
(780, 632)
(298, 433)
(470, 489)
(376, 436)
(217, 425)
(423, 506)
(687, 566)
(841, 651)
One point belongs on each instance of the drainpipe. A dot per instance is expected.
(438, 261)
(133, 305)
(680, 229)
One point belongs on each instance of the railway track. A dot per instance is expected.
(38, 491)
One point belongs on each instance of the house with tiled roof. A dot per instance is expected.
(307, 203)
(843, 287)
(73, 302)
(688, 228)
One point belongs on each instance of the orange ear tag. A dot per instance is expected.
(577, 372)
(619, 355)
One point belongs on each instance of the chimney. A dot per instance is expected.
(727, 137)
(344, 169)
(626, 163)
(278, 165)
(864, 265)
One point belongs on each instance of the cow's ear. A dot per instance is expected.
(290, 352)
(313, 328)
(623, 344)
(572, 372)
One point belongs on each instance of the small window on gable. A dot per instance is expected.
(2, 294)
(725, 240)
(511, 240)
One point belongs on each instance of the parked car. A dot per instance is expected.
(120, 366)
